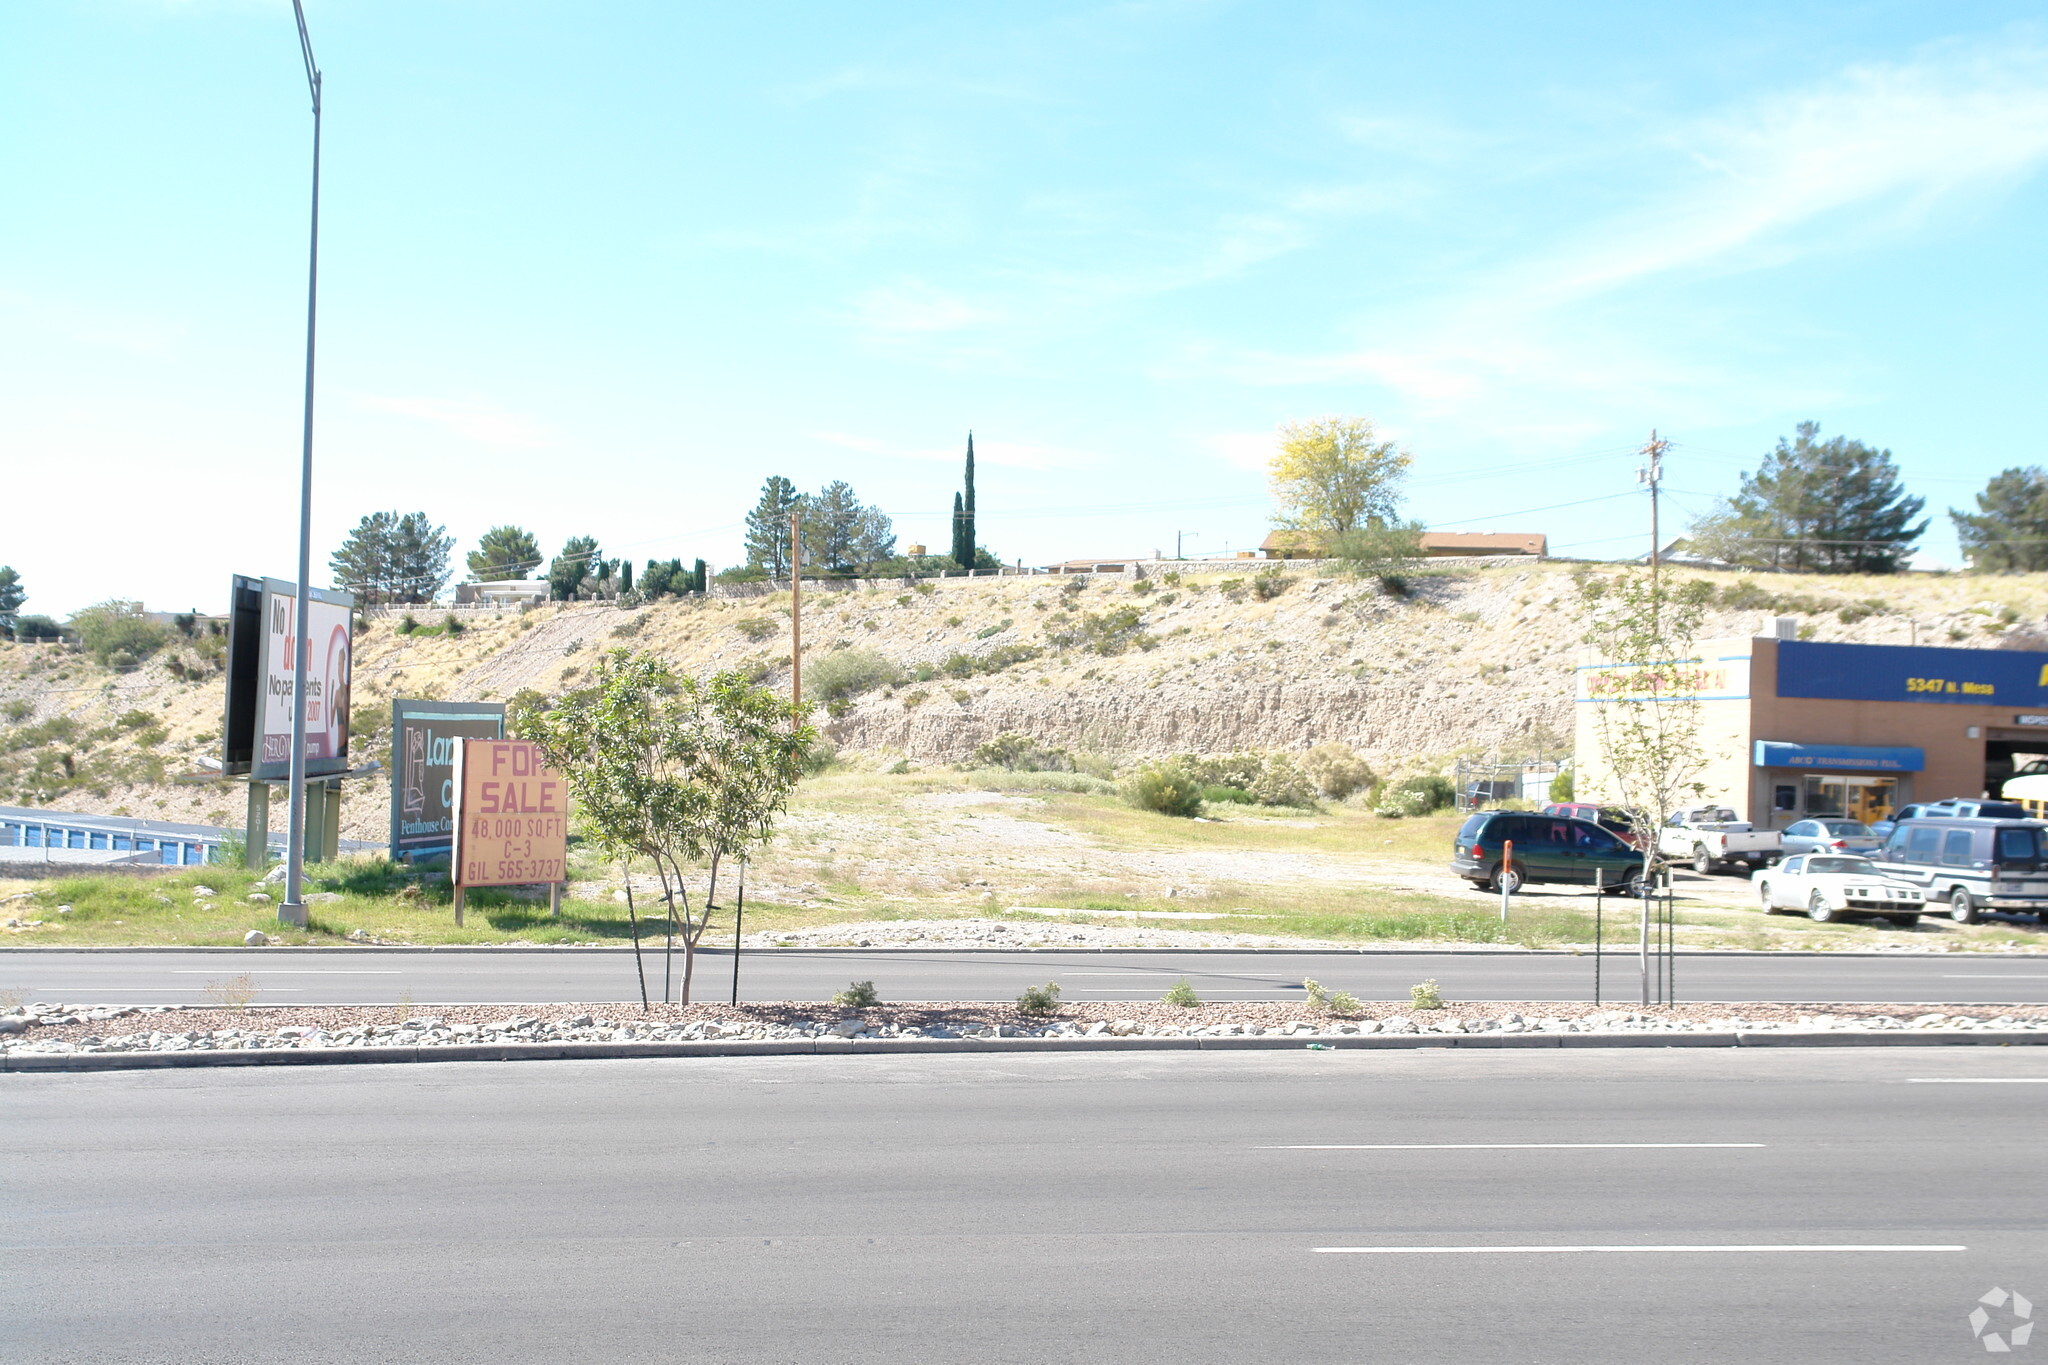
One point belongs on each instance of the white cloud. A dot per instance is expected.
(1016, 454)
(473, 419)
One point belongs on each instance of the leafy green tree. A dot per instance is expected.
(768, 547)
(390, 557)
(687, 775)
(118, 634)
(2009, 530)
(505, 552)
(1334, 475)
(1833, 506)
(12, 595)
(568, 571)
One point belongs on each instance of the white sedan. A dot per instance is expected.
(1827, 886)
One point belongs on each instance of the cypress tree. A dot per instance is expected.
(625, 575)
(697, 577)
(959, 519)
(967, 537)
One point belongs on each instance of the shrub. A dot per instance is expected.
(1270, 584)
(1337, 771)
(858, 995)
(118, 628)
(1040, 1000)
(407, 624)
(1166, 788)
(846, 673)
(1104, 632)
(1330, 1002)
(1425, 996)
(1282, 783)
(995, 661)
(1562, 785)
(1231, 588)
(453, 625)
(1421, 794)
(1182, 994)
(1228, 796)
(37, 628)
(756, 628)
(987, 631)
(1021, 753)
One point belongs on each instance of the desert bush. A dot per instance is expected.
(1420, 794)
(1181, 994)
(117, 634)
(407, 624)
(453, 625)
(1021, 753)
(1270, 584)
(1167, 788)
(1104, 632)
(1425, 996)
(1228, 796)
(1337, 770)
(1330, 1002)
(858, 995)
(1281, 782)
(756, 628)
(1040, 1000)
(846, 673)
(994, 661)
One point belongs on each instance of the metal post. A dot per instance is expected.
(256, 832)
(1599, 913)
(796, 615)
(1644, 948)
(292, 909)
(1507, 870)
(739, 924)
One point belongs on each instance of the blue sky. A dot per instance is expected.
(601, 269)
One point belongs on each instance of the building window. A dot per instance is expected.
(1857, 798)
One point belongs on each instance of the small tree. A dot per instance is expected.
(1333, 475)
(1385, 551)
(2009, 530)
(683, 773)
(505, 552)
(1644, 688)
(118, 633)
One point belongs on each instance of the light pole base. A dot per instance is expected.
(292, 913)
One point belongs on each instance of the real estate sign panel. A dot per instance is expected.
(426, 736)
(512, 816)
(331, 615)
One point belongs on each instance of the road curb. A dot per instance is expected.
(1961, 954)
(26, 1063)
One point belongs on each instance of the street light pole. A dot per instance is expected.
(292, 909)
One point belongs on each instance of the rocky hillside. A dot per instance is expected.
(1478, 658)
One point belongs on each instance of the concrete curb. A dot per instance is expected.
(1961, 954)
(20, 1063)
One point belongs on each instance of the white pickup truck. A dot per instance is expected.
(1711, 838)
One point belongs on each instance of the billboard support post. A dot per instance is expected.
(292, 909)
(256, 831)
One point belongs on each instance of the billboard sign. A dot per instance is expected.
(1928, 673)
(512, 820)
(327, 681)
(425, 736)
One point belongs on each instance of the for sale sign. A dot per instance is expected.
(512, 826)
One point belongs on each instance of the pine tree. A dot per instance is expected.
(2010, 528)
(1833, 506)
(578, 561)
(504, 552)
(768, 547)
(393, 558)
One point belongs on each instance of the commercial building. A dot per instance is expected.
(1795, 728)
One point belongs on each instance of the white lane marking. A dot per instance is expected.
(1994, 976)
(1977, 1080)
(1471, 1251)
(1479, 1146)
(297, 971)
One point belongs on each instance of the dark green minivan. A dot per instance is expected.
(1548, 848)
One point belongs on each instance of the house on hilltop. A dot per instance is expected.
(1435, 544)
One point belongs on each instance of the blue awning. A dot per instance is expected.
(1848, 758)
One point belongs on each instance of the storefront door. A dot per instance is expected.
(1851, 795)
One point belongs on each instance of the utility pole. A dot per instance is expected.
(796, 614)
(1177, 538)
(1651, 474)
(292, 909)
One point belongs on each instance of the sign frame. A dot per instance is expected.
(330, 671)
(423, 783)
(506, 795)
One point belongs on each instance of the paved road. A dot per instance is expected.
(319, 976)
(1119, 1208)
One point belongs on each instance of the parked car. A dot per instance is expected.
(1711, 838)
(1828, 836)
(1547, 848)
(1961, 809)
(1973, 864)
(1828, 885)
(2028, 788)
(1613, 819)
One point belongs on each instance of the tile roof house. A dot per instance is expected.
(1435, 544)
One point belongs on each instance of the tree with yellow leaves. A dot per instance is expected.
(1333, 475)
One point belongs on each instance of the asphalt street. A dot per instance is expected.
(326, 976)
(1785, 1206)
